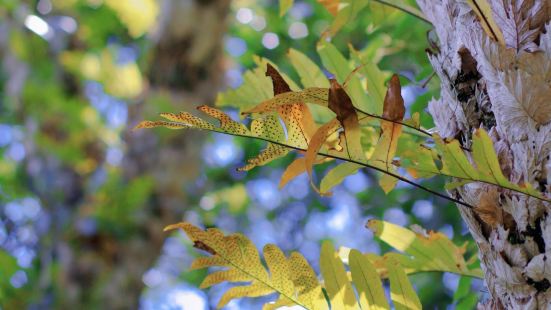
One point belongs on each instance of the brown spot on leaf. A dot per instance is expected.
(202, 246)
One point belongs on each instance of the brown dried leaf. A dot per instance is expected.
(490, 212)
(341, 104)
(394, 108)
(279, 83)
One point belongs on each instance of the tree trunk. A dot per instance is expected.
(507, 91)
(105, 270)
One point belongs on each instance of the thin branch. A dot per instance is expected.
(397, 176)
(424, 132)
(395, 122)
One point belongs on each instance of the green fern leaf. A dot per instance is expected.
(431, 252)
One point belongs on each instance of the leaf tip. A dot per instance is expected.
(173, 227)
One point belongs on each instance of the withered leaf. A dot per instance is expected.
(278, 82)
(394, 108)
(490, 212)
(341, 104)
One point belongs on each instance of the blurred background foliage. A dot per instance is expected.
(83, 199)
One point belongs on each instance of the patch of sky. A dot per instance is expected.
(19, 279)
(244, 15)
(357, 183)
(116, 114)
(299, 187)
(423, 210)
(234, 77)
(114, 156)
(182, 297)
(126, 55)
(24, 256)
(221, 152)
(450, 281)
(301, 10)
(6, 135)
(258, 23)
(262, 232)
(270, 40)
(235, 46)
(298, 30)
(265, 193)
(16, 151)
(396, 216)
(447, 230)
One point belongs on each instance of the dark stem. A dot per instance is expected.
(399, 177)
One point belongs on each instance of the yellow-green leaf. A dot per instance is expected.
(348, 10)
(402, 293)
(310, 74)
(336, 175)
(339, 289)
(284, 6)
(368, 284)
(337, 64)
(432, 252)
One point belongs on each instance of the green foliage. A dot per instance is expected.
(8, 267)
(303, 134)
(295, 281)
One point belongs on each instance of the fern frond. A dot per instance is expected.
(432, 251)
(292, 278)
(295, 282)
(342, 137)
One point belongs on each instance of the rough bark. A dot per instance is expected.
(507, 91)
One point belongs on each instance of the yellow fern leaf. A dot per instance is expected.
(226, 123)
(272, 152)
(269, 128)
(187, 118)
(292, 278)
